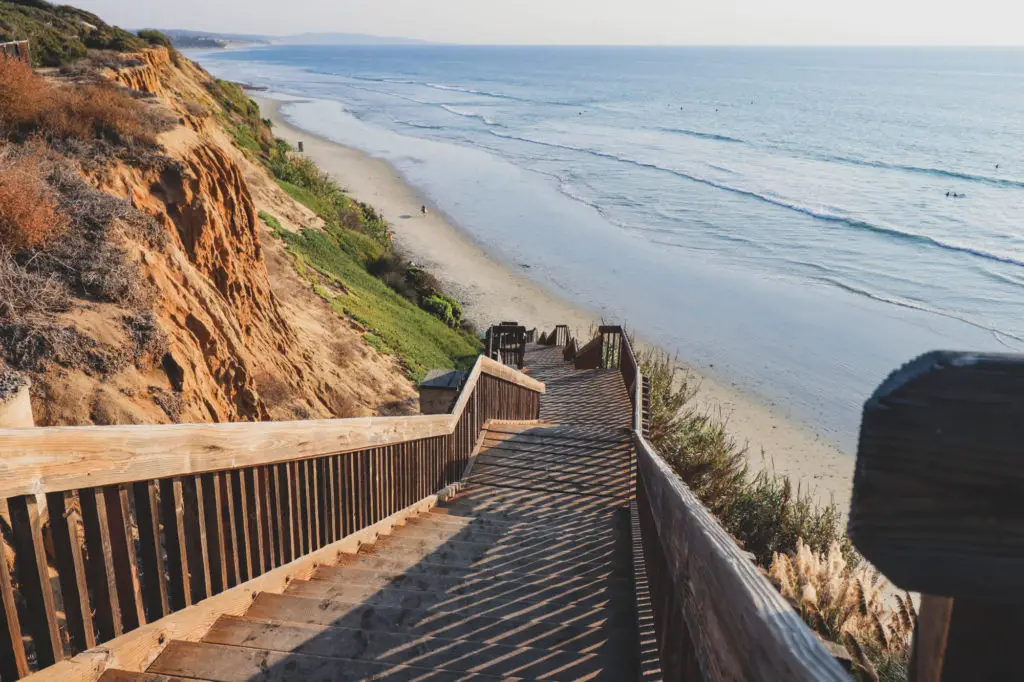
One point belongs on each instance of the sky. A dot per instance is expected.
(596, 22)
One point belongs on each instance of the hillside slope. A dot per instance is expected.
(218, 321)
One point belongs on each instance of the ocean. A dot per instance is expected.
(797, 222)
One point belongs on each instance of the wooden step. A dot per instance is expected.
(411, 565)
(127, 676)
(541, 634)
(467, 533)
(243, 664)
(424, 652)
(600, 611)
(536, 559)
(569, 587)
(509, 545)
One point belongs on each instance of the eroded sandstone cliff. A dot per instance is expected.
(247, 339)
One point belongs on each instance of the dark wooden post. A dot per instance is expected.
(938, 507)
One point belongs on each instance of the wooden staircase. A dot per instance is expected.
(532, 533)
(526, 574)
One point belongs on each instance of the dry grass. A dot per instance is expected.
(342, 405)
(23, 292)
(274, 391)
(30, 212)
(849, 605)
(168, 401)
(31, 106)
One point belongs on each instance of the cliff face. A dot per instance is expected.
(234, 351)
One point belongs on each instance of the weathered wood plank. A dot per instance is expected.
(742, 628)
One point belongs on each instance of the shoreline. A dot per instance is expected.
(492, 290)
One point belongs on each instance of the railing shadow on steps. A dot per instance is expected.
(525, 609)
(113, 532)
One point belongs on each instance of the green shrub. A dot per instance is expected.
(768, 516)
(444, 308)
(763, 514)
(154, 37)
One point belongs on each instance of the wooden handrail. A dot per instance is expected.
(716, 616)
(138, 522)
(54, 459)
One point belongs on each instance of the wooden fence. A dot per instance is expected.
(506, 343)
(106, 529)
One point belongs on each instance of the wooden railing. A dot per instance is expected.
(716, 617)
(938, 504)
(506, 343)
(107, 529)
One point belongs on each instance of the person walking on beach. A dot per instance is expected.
(423, 210)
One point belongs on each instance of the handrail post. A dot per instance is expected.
(937, 501)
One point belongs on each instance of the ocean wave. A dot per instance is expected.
(856, 161)
(924, 170)
(396, 81)
(702, 135)
(471, 91)
(856, 223)
(470, 114)
(998, 334)
(422, 126)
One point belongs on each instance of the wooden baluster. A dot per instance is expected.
(33, 509)
(229, 534)
(346, 499)
(178, 590)
(936, 507)
(208, 541)
(13, 660)
(298, 510)
(99, 564)
(287, 513)
(335, 481)
(217, 533)
(250, 543)
(271, 546)
(125, 563)
(312, 505)
(151, 556)
(278, 514)
(327, 486)
(65, 515)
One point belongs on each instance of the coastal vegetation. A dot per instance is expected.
(61, 34)
(802, 546)
(351, 261)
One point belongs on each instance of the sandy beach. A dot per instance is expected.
(492, 291)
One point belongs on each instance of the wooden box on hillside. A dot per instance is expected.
(439, 390)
